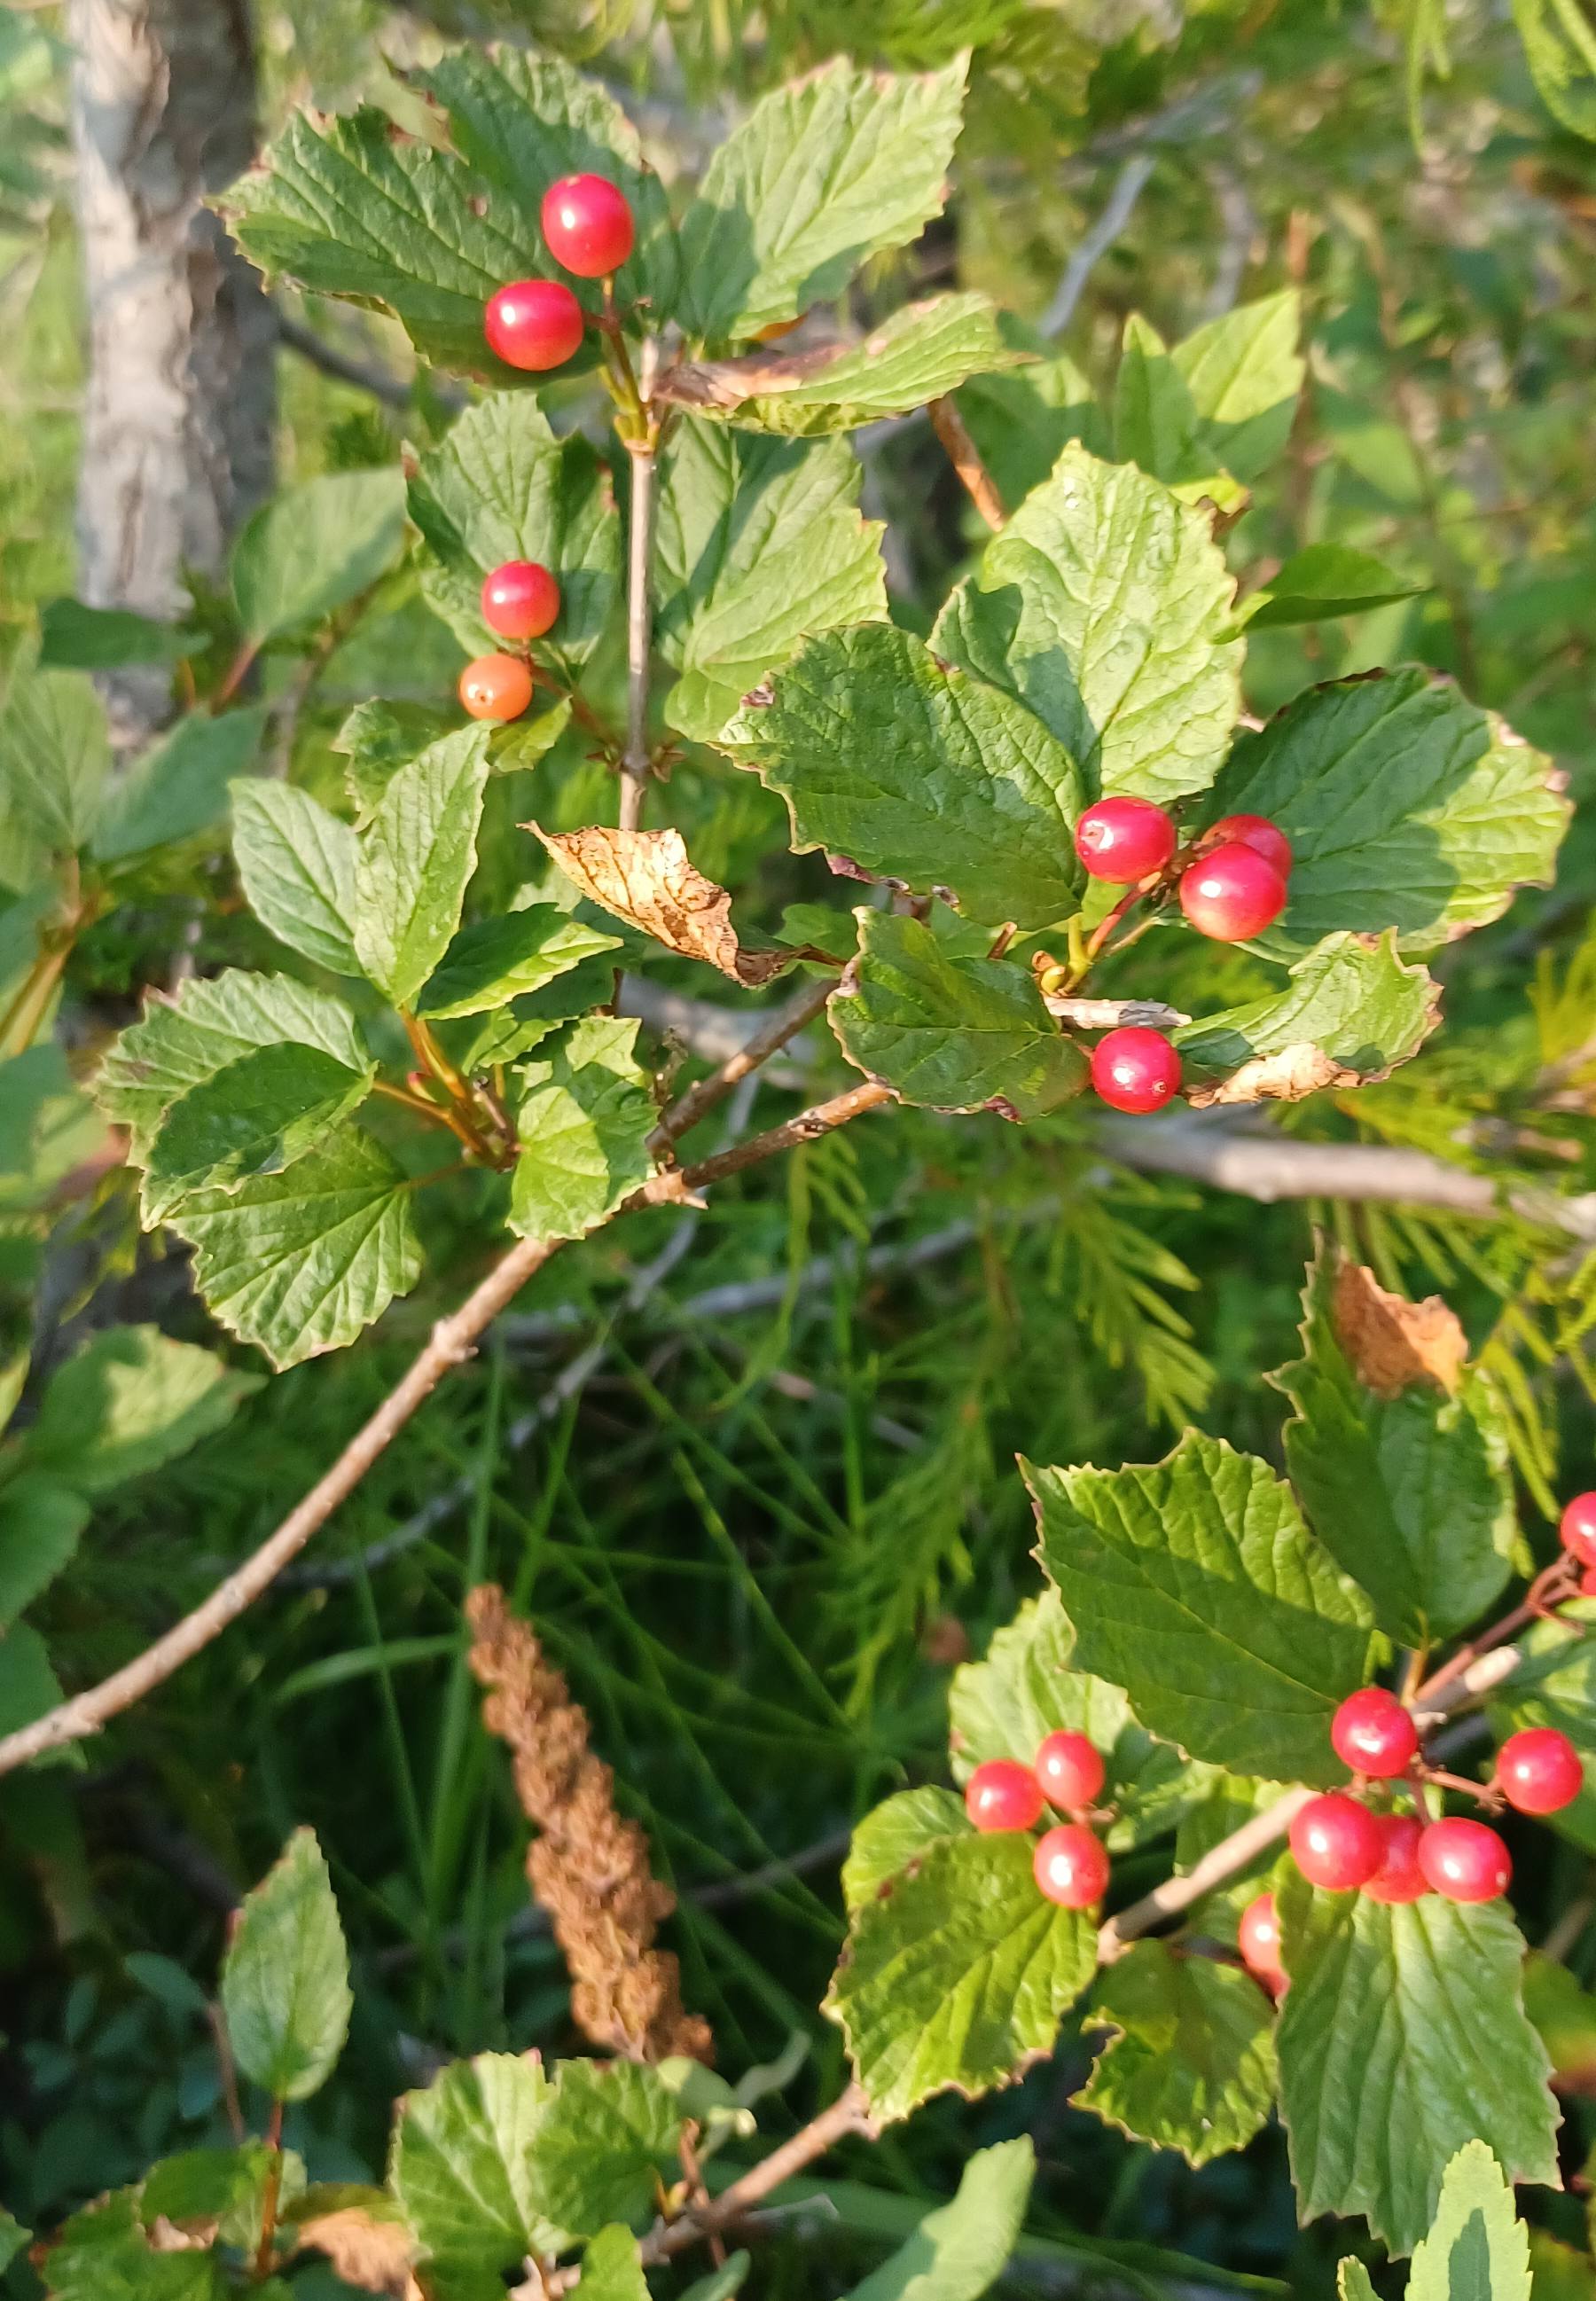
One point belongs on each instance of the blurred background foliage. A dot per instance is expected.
(782, 1502)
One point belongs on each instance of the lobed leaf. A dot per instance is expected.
(415, 861)
(603, 2144)
(1192, 2065)
(297, 862)
(584, 1125)
(464, 2167)
(255, 1116)
(1352, 1012)
(1477, 2248)
(896, 1833)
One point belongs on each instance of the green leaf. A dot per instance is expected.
(759, 542)
(1559, 48)
(131, 1399)
(41, 1524)
(920, 353)
(900, 1830)
(209, 2190)
(29, 1686)
(905, 767)
(209, 1024)
(1411, 1492)
(1103, 605)
(103, 2255)
(13, 2237)
(522, 120)
(944, 1025)
(1353, 2282)
(489, 964)
(1156, 426)
(500, 486)
(1554, 1684)
(531, 1017)
(285, 1979)
(415, 861)
(1405, 805)
(1352, 1012)
(721, 2284)
(1193, 1584)
(612, 2267)
(313, 548)
(1022, 421)
(178, 787)
(55, 756)
(465, 2167)
(963, 2247)
(256, 1116)
(958, 1977)
(48, 1126)
(584, 1125)
(1193, 2066)
(298, 863)
(1321, 581)
(1402, 2038)
(605, 2140)
(301, 1263)
(1029, 1686)
(377, 738)
(1477, 2249)
(1564, 2014)
(1244, 372)
(74, 636)
(821, 174)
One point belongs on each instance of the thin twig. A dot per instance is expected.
(965, 456)
(777, 1029)
(1128, 187)
(635, 760)
(808, 1127)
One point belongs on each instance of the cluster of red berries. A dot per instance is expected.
(1071, 1862)
(1230, 884)
(1339, 1845)
(587, 227)
(1578, 1534)
(520, 602)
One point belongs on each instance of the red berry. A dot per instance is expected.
(1577, 1529)
(1465, 1860)
(1258, 1938)
(1372, 1733)
(1337, 1842)
(587, 224)
(1003, 1795)
(1070, 1770)
(520, 600)
(1255, 830)
(533, 323)
(1398, 1878)
(1071, 1865)
(1538, 1770)
(1124, 838)
(1232, 893)
(1134, 1069)
(495, 686)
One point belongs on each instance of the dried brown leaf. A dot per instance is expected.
(646, 878)
(1291, 1075)
(376, 2256)
(1391, 1343)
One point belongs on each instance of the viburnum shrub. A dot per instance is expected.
(1220, 1658)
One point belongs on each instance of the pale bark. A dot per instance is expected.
(179, 396)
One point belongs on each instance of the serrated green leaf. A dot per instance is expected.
(55, 758)
(377, 738)
(1554, 1684)
(531, 1018)
(584, 1123)
(500, 486)
(41, 1524)
(612, 2267)
(915, 771)
(605, 2141)
(48, 1126)
(1406, 808)
(1156, 425)
(255, 1116)
(1192, 2067)
(298, 863)
(1321, 581)
(521, 120)
(315, 548)
(1022, 421)
(963, 2247)
(209, 1024)
(959, 1977)
(1402, 2038)
(1352, 1012)
(821, 174)
(1411, 1494)
(1102, 605)
(759, 542)
(489, 964)
(301, 1263)
(415, 861)
(1244, 371)
(179, 787)
(1193, 1584)
(75, 637)
(922, 352)
(901, 1829)
(131, 1399)
(464, 2168)
(206, 2190)
(946, 1026)
(1028, 1687)
(29, 1686)
(103, 2255)
(285, 1979)
(1477, 2249)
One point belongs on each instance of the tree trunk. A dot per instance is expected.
(179, 396)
